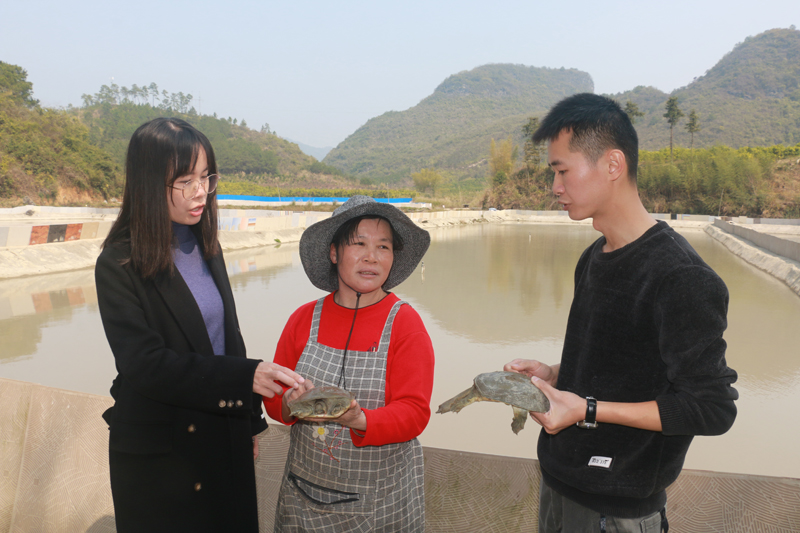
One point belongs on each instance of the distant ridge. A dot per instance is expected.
(314, 151)
(751, 97)
(452, 128)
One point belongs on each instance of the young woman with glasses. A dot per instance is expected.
(187, 399)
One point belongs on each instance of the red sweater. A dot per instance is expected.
(409, 365)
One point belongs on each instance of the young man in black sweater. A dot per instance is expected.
(643, 366)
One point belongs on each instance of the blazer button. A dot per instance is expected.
(222, 403)
(239, 403)
(191, 428)
(197, 487)
(230, 403)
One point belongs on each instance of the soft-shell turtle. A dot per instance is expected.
(321, 402)
(510, 388)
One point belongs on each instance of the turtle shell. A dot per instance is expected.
(512, 388)
(321, 402)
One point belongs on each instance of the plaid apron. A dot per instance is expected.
(331, 486)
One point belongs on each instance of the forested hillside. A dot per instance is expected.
(46, 156)
(76, 156)
(751, 97)
(450, 142)
(452, 128)
(723, 181)
(114, 113)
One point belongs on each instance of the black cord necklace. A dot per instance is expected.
(342, 382)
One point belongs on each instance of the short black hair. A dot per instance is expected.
(597, 124)
(348, 232)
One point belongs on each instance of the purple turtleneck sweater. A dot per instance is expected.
(194, 270)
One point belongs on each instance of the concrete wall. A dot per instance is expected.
(253, 220)
(782, 247)
(256, 220)
(38, 210)
(27, 235)
(54, 478)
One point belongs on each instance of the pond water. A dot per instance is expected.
(487, 294)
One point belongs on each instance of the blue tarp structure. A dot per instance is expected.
(305, 199)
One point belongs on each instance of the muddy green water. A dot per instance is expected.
(487, 294)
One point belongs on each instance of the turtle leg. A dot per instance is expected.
(460, 401)
(520, 416)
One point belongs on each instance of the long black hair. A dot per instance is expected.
(160, 152)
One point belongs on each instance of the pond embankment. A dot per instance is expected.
(40, 240)
(55, 459)
(763, 250)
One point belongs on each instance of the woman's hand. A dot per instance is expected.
(353, 418)
(268, 374)
(531, 368)
(255, 448)
(290, 395)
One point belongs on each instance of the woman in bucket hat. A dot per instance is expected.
(362, 471)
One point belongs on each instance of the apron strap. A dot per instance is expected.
(316, 320)
(386, 335)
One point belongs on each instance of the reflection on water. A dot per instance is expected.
(763, 322)
(488, 294)
(30, 305)
(490, 283)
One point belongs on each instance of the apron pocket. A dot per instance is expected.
(320, 495)
(309, 506)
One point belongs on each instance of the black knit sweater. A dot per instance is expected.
(646, 324)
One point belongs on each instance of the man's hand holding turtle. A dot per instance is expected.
(531, 367)
(566, 408)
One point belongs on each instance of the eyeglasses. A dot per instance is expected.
(190, 188)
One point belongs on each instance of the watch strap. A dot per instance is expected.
(590, 422)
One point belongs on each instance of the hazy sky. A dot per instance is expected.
(317, 70)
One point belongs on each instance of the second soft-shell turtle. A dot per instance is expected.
(510, 388)
(321, 402)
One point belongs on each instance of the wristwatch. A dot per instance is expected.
(590, 422)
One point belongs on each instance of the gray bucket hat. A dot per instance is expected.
(315, 244)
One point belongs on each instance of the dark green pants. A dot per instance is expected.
(558, 514)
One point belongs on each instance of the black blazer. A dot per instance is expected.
(182, 424)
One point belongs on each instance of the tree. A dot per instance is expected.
(14, 79)
(673, 116)
(427, 179)
(693, 126)
(532, 152)
(153, 90)
(107, 94)
(501, 160)
(632, 110)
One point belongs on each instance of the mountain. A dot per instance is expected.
(239, 150)
(452, 128)
(751, 97)
(313, 151)
(77, 155)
